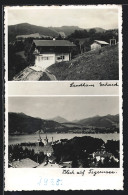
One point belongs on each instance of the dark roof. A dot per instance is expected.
(57, 43)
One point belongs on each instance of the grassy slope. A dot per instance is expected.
(91, 65)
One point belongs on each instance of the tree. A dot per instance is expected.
(92, 31)
(74, 163)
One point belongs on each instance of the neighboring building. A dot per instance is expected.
(98, 44)
(23, 37)
(48, 52)
(101, 155)
(24, 163)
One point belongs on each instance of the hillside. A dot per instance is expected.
(20, 123)
(26, 29)
(92, 65)
(100, 121)
(66, 29)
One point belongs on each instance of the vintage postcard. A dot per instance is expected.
(63, 98)
(63, 43)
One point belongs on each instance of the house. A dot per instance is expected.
(98, 44)
(101, 155)
(48, 52)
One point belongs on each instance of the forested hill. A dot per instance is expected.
(66, 29)
(20, 123)
(26, 29)
(100, 121)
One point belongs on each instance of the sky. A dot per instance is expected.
(70, 108)
(60, 16)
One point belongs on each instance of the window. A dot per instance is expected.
(60, 58)
(44, 58)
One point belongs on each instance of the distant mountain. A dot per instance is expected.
(66, 29)
(75, 121)
(59, 119)
(20, 123)
(26, 29)
(100, 121)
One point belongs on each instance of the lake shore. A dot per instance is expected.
(17, 139)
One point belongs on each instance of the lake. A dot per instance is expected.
(17, 139)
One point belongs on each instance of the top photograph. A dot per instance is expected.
(62, 43)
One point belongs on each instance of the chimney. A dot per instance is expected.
(52, 140)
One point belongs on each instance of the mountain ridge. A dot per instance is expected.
(19, 123)
(26, 29)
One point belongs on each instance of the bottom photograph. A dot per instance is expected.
(63, 132)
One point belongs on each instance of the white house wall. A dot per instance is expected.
(63, 56)
(46, 60)
(95, 46)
